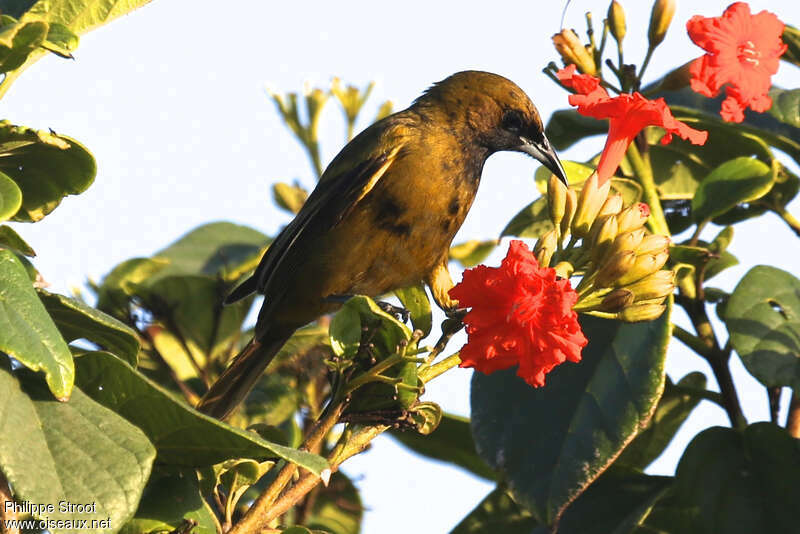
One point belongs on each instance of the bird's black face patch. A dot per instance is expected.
(512, 121)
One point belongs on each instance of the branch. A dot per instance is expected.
(261, 512)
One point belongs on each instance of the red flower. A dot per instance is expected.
(521, 315)
(628, 114)
(743, 50)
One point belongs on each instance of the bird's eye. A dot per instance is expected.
(512, 121)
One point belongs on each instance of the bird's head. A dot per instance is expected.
(495, 112)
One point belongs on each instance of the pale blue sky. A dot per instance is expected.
(171, 102)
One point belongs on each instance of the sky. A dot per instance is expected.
(171, 102)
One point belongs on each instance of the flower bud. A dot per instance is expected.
(653, 244)
(628, 241)
(633, 217)
(545, 247)
(564, 269)
(660, 19)
(619, 264)
(658, 285)
(645, 265)
(602, 235)
(590, 200)
(571, 49)
(641, 312)
(617, 300)
(570, 206)
(616, 20)
(612, 205)
(556, 199)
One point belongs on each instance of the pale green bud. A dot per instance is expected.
(616, 20)
(628, 241)
(658, 285)
(633, 217)
(653, 244)
(619, 264)
(572, 51)
(556, 199)
(612, 206)
(590, 200)
(564, 269)
(644, 265)
(617, 300)
(570, 206)
(660, 19)
(604, 230)
(641, 312)
(545, 247)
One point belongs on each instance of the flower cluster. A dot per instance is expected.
(522, 314)
(743, 51)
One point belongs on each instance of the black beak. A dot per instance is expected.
(544, 153)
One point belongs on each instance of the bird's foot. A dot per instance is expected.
(456, 314)
(400, 313)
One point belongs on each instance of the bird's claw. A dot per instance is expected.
(400, 313)
(456, 314)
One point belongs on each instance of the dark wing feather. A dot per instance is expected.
(338, 191)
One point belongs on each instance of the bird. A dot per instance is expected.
(383, 215)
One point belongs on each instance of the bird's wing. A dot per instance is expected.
(340, 188)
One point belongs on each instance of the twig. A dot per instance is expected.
(790, 220)
(261, 512)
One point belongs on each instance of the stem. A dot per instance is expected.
(261, 512)
(643, 169)
(435, 370)
(691, 341)
(793, 419)
(645, 63)
(307, 482)
(696, 235)
(717, 358)
(789, 219)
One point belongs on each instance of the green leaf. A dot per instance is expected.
(10, 198)
(763, 318)
(337, 508)
(451, 442)
(171, 497)
(289, 197)
(76, 451)
(27, 332)
(786, 106)
(190, 306)
(182, 436)
(415, 300)
(577, 173)
(61, 40)
(550, 443)
(345, 332)
(532, 221)
(19, 40)
(734, 182)
(121, 283)
(76, 320)
(303, 340)
(361, 310)
(567, 126)
(46, 168)
(735, 482)
(11, 239)
(675, 405)
(274, 399)
(81, 16)
(215, 249)
(497, 512)
(616, 503)
(471, 253)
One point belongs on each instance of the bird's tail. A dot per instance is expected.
(238, 379)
